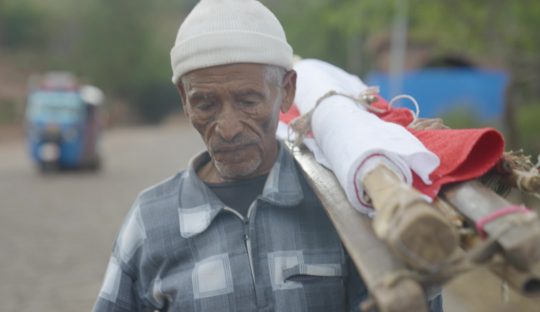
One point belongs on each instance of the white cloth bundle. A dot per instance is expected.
(349, 140)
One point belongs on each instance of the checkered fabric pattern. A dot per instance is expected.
(181, 249)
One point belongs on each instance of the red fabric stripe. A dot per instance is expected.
(498, 214)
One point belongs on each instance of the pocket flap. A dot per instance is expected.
(315, 270)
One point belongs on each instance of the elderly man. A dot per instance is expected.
(239, 229)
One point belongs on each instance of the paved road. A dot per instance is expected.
(56, 231)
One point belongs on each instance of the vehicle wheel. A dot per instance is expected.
(95, 164)
(48, 167)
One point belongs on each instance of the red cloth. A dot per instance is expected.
(290, 115)
(464, 153)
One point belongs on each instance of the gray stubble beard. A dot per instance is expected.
(230, 172)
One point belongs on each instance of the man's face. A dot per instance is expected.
(235, 109)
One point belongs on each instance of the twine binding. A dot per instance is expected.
(301, 126)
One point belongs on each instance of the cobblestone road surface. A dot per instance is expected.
(56, 230)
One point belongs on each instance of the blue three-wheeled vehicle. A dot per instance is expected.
(63, 123)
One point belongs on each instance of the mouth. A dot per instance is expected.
(231, 148)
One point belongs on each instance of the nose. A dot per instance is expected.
(229, 124)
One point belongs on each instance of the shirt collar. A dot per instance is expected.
(198, 205)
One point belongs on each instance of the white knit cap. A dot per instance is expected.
(219, 32)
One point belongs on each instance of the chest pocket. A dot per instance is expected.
(320, 285)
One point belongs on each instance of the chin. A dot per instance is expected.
(237, 170)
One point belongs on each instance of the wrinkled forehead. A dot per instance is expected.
(245, 73)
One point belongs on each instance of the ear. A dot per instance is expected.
(289, 90)
(182, 91)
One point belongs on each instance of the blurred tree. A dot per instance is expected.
(123, 45)
(21, 25)
(118, 52)
(115, 36)
(309, 31)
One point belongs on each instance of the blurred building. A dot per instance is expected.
(441, 83)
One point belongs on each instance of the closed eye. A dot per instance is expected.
(248, 97)
(205, 105)
(203, 101)
(248, 103)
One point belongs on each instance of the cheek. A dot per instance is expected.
(202, 126)
(268, 124)
(260, 127)
(266, 119)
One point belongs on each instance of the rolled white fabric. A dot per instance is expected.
(350, 140)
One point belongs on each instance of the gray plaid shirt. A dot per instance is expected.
(181, 249)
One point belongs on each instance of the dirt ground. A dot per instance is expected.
(56, 230)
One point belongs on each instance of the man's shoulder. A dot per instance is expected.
(162, 190)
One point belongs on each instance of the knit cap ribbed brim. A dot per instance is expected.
(219, 32)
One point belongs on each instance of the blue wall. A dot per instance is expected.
(439, 90)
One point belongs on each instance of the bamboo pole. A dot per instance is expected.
(518, 234)
(526, 283)
(415, 230)
(516, 246)
(374, 260)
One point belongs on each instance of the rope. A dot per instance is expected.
(527, 174)
(410, 98)
(533, 171)
(515, 170)
(462, 263)
(302, 125)
(536, 170)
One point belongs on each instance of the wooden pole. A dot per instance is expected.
(526, 283)
(414, 230)
(372, 257)
(518, 234)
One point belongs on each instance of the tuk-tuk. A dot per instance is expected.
(63, 123)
